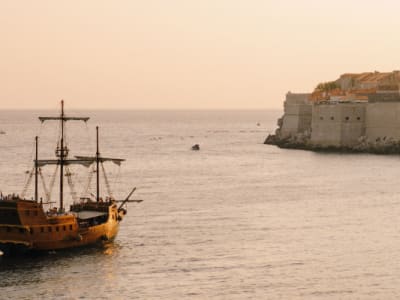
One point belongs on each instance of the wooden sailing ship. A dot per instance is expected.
(26, 225)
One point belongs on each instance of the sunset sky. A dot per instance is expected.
(187, 54)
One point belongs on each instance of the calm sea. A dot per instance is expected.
(235, 220)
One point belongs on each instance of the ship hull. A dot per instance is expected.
(26, 227)
(13, 249)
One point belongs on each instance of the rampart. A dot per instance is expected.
(383, 121)
(337, 125)
(297, 115)
(359, 126)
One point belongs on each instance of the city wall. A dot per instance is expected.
(297, 115)
(337, 124)
(383, 121)
(372, 126)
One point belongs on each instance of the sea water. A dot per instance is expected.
(236, 220)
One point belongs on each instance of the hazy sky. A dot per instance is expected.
(187, 54)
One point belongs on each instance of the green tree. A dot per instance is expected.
(327, 86)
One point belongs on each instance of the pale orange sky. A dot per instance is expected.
(186, 54)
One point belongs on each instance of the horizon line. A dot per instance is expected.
(143, 109)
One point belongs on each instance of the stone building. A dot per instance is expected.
(297, 115)
(383, 121)
(369, 80)
(360, 112)
(338, 125)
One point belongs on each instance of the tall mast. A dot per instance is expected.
(97, 165)
(62, 158)
(36, 169)
(62, 150)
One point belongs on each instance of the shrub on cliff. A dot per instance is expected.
(327, 86)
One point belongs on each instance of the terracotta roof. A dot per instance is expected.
(368, 76)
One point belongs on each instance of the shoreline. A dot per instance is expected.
(380, 147)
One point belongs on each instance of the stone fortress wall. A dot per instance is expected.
(347, 124)
(297, 114)
(356, 112)
(383, 121)
(338, 124)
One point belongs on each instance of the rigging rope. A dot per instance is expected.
(68, 174)
(53, 180)
(106, 181)
(46, 191)
(89, 181)
(28, 174)
(28, 182)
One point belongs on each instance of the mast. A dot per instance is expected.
(36, 169)
(61, 150)
(62, 154)
(62, 158)
(97, 165)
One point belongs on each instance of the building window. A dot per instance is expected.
(358, 118)
(49, 229)
(332, 118)
(321, 118)
(57, 229)
(41, 229)
(70, 227)
(31, 230)
(347, 118)
(64, 228)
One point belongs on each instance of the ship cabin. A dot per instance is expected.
(23, 220)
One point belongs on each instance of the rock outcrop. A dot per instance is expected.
(302, 141)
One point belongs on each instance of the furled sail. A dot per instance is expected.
(84, 119)
(44, 162)
(92, 159)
